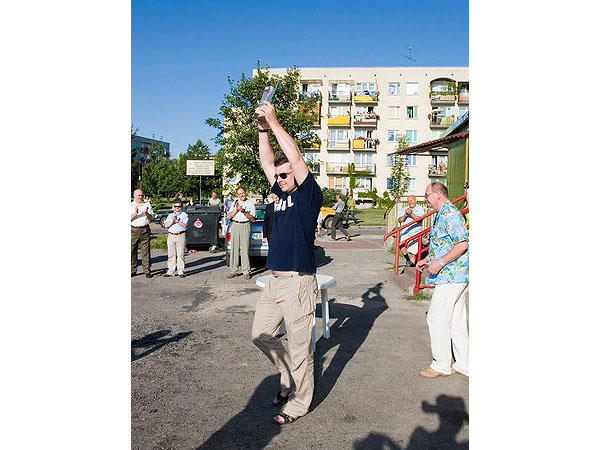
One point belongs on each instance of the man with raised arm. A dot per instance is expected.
(291, 293)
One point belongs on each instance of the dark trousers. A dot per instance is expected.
(350, 215)
(337, 223)
(140, 237)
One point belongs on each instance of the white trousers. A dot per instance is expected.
(175, 252)
(447, 322)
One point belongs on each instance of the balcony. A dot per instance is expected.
(366, 97)
(368, 168)
(438, 170)
(463, 98)
(443, 92)
(332, 168)
(437, 121)
(338, 121)
(365, 144)
(340, 97)
(365, 120)
(315, 94)
(314, 167)
(311, 145)
(338, 144)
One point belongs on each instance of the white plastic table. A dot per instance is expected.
(324, 282)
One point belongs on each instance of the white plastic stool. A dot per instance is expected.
(324, 282)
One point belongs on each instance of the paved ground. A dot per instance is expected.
(198, 382)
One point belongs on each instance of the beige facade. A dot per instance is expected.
(364, 109)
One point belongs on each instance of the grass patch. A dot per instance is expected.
(421, 296)
(158, 241)
(370, 216)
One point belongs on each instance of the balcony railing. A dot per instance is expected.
(314, 167)
(338, 97)
(338, 144)
(365, 120)
(370, 168)
(311, 144)
(338, 120)
(337, 168)
(441, 122)
(463, 97)
(366, 97)
(315, 94)
(443, 97)
(365, 144)
(438, 170)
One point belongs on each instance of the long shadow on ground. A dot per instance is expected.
(251, 428)
(348, 333)
(153, 342)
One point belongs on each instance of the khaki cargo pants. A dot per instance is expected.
(290, 299)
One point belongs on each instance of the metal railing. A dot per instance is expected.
(419, 237)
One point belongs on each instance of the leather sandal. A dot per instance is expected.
(281, 399)
(285, 418)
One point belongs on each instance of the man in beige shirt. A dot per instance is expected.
(141, 216)
(241, 212)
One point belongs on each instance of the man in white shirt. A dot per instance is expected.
(176, 223)
(407, 215)
(242, 211)
(141, 215)
(214, 200)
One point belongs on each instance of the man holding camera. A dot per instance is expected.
(176, 223)
(291, 293)
(141, 216)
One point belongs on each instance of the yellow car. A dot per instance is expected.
(327, 214)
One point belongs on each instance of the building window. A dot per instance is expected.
(365, 183)
(394, 112)
(391, 160)
(338, 182)
(411, 184)
(411, 112)
(436, 134)
(338, 158)
(462, 110)
(363, 159)
(391, 183)
(412, 88)
(366, 134)
(335, 111)
(411, 135)
(411, 160)
(393, 135)
(394, 89)
(365, 88)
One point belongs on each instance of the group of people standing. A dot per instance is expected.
(291, 292)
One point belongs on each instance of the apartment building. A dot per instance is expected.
(364, 110)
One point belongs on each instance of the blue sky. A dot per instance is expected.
(183, 51)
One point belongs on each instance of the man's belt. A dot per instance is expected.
(177, 234)
(238, 221)
(133, 226)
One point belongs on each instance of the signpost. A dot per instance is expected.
(200, 167)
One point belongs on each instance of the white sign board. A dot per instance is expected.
(200, 167)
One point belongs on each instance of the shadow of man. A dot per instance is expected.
(349, 331)
(154, 341)
(251, 428)
(453, 415)
(376, 441)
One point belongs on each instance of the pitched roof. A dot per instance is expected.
(431, 144)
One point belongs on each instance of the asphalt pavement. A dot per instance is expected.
(198, 382)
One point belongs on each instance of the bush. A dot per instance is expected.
(380, 202)
(329, 196)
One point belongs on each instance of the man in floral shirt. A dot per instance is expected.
(448, 267)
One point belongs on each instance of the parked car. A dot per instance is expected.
(259, 247)
(161, 216)
(328, 214)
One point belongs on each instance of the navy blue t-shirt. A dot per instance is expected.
(293, 235)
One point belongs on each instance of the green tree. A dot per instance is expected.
(159, 172)
(237, 130)
(399, 174)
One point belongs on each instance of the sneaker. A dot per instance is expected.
(182, 275)
(149, 275)
(348, 237)
(231, 275)
(166, 275)
(247, 276)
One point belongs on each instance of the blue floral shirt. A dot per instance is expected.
(449, 229)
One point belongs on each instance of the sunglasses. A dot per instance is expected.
(282, 175)
(177, 206)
